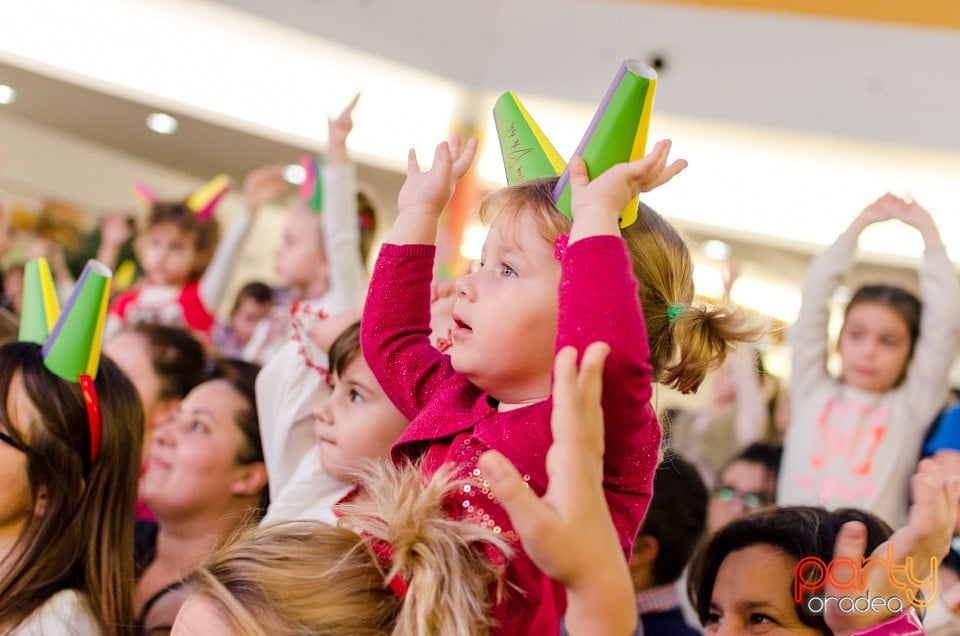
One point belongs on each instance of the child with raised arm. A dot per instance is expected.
(854, 440)
(186, 266)
(536, 291)
(320, 260)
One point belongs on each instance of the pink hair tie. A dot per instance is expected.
(560, 246)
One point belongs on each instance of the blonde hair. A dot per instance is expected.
(682, 349)
(310, 577)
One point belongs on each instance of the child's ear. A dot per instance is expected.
(251, 479)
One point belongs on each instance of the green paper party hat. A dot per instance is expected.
(526, 151)
(40, 305)
(73, 348)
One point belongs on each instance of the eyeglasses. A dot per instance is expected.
(6, 439)
(751, 500)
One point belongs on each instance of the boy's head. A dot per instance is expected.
(880, 328)
(300, 261)
(673, 525)
(176, 245)
(747, 483)
(357, 421)
(253, 304)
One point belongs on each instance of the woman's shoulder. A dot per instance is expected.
(67, 612)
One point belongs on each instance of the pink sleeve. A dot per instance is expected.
(904, 624)
(599, 300)
(395, 328)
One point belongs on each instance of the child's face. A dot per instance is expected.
(246, 316)
(168, 255)
(356, 422)
(299, 261)
(874, 347)
(192, 462)
(506, 313)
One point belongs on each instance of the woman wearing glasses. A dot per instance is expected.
(747, 483)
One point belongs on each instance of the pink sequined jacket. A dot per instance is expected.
(454, 421)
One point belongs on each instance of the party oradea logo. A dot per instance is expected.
(848, 581)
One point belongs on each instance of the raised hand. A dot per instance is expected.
(338, 129)
(568, 532)
(428, 192)
(596, 205)
(263, 185)
(883, 209)
(115, 229)
(918, 545)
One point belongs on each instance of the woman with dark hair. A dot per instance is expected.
(205, 479)
(66, 506)
(795, 570)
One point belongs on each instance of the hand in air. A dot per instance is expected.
(609, 193)
(338, 129)
(115, 229)
(262, 186)
(428, 192)
(923, 540)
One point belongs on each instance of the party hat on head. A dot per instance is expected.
(73, 348)
(311, 190)
(205, 199)
(618, 132)
(526, 151)
(144, 195)
(40, 305)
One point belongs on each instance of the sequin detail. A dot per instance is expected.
(560, 246)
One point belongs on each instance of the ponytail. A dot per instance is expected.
(309, 576)
(701, 337)
(686, 341)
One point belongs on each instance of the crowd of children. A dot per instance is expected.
(473, 456)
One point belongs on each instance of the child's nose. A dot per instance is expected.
(164, 432)
(465, 288)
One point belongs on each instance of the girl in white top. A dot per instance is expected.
(853, 440)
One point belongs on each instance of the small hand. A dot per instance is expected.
(568, 532)
(442, 300)
(610, 192)
(883, 209)
(263, 185)
(115, 229)
(339, 127)
(914, 215)
(924, 540)
(429, 192)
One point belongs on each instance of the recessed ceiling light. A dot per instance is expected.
(294, 173)
(7, 94)
(162, 123)
(717, 250)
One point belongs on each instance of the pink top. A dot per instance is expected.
(454, 421)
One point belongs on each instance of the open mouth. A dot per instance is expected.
(460, 323)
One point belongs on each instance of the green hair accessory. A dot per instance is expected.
(675, 310)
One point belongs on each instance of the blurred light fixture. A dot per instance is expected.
(162, 123)
(294, 173)
(7, 94)
(716, 250)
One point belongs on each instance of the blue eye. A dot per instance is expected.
(196, 426)
(507, 271)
